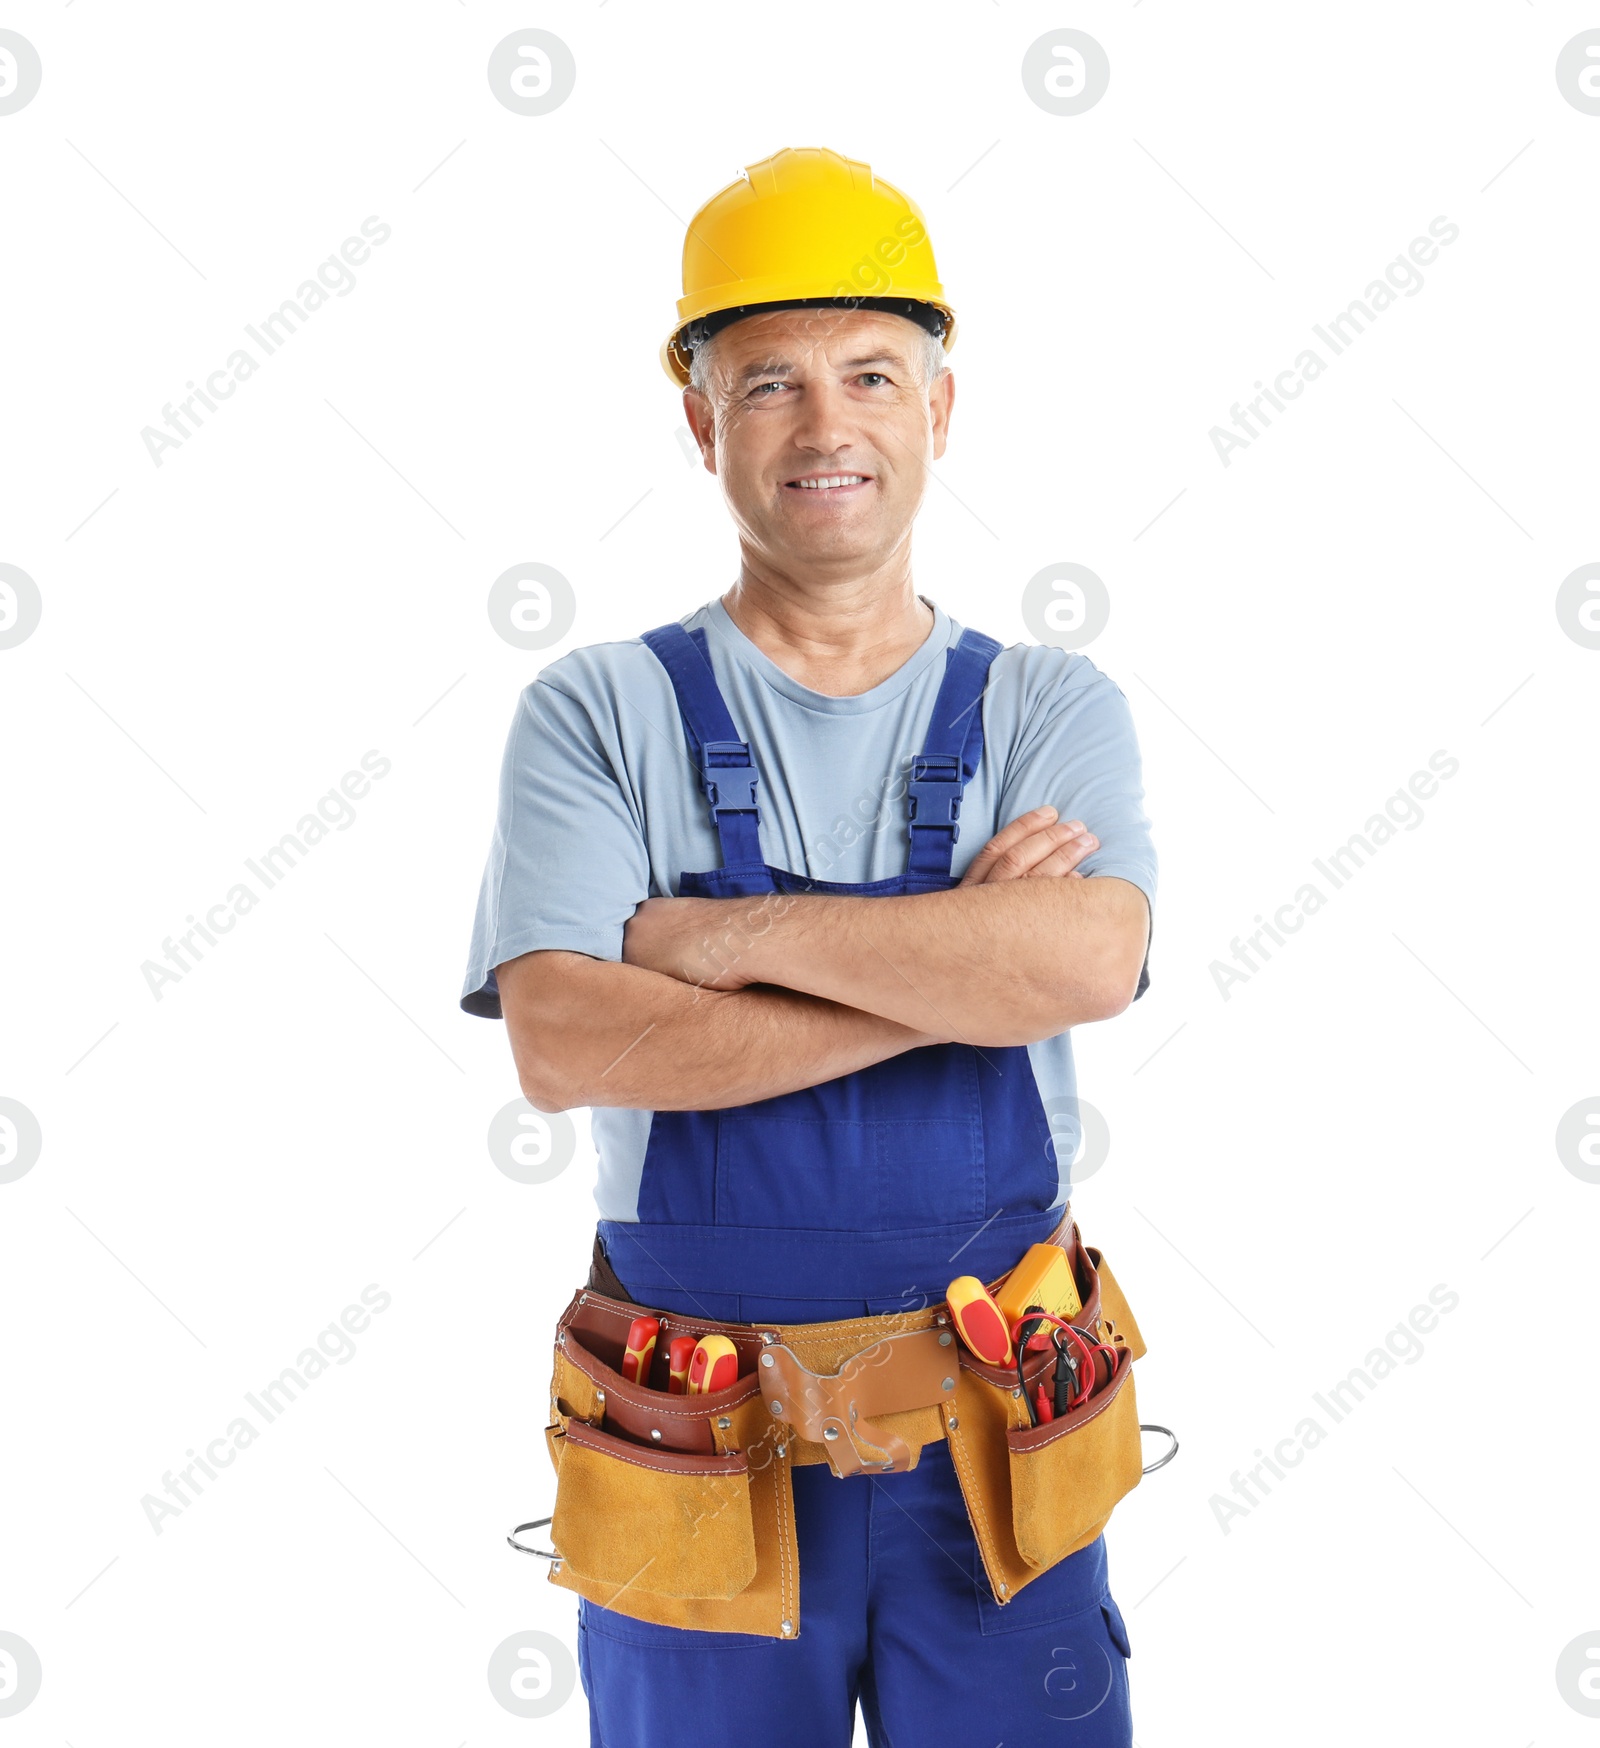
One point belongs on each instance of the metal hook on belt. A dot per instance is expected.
(543, 1553)
(1161, 1462)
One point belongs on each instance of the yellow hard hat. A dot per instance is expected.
(805, 226)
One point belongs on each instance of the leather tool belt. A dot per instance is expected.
(679, 1509)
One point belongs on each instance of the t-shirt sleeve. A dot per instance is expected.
(567, 867)
(1080, 755)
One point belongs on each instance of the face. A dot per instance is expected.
(800, 396)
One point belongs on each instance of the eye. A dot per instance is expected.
(876, 375)
(758, 393)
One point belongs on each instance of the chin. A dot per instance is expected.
(840, 543)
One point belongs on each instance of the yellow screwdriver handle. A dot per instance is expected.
(978, 1320)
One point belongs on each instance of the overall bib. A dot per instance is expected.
(867, 1193)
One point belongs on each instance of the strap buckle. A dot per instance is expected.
(935, 791)
(728, 776)
(911, 1368)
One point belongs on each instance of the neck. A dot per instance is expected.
(839, 638)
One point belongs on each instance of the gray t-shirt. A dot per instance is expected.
(601, 807)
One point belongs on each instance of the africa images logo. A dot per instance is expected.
(333, 278)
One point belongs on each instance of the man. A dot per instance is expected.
(803, 894)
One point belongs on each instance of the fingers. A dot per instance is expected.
(1055, 851)
(1061, 858)
(1002, 841)
(1034, 846)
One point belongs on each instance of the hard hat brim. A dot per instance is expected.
(677, 351)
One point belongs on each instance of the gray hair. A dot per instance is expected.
(930, 351)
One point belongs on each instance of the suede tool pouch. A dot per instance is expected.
(661, 1521)
(670, 1509)
(1067, 1474)
(1036, 1494)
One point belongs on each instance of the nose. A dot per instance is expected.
(824, 424)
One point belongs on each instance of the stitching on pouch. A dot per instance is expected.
(752, 1383)
(1077, 1426)
(986, 1536)
(782, 1479)
(655, 1469)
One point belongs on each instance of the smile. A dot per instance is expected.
(829, 484)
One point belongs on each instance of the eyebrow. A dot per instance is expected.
(779, 367)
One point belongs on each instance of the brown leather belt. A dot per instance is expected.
(827, 1383)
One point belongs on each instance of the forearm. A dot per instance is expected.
(588, 1032)
(999, 964)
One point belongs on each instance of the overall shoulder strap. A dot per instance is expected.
(727, 774)
(948, 760)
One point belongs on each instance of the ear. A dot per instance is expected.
(941, 399)
(702, 422)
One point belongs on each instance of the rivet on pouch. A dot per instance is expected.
(788, 1626)
(1005, 1589)
(953, 1423)
(949, 1383)
(946, 1339)
(778, 1450)
(723, 1421)
(830, 1432)
(655, 1432)
(777, 1408)
(766, 1359)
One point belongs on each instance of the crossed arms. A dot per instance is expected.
(721, 1002)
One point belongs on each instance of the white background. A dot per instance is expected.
(304, 1113)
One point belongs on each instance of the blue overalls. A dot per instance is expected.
(867, 1193)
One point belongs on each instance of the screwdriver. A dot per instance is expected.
(713, 1365)
(642, 1333)
(978, 1320)
(680, 1350)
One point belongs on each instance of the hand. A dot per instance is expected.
(1034, 845)
(700, 941)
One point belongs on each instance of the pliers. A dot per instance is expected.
(1076, 1374)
